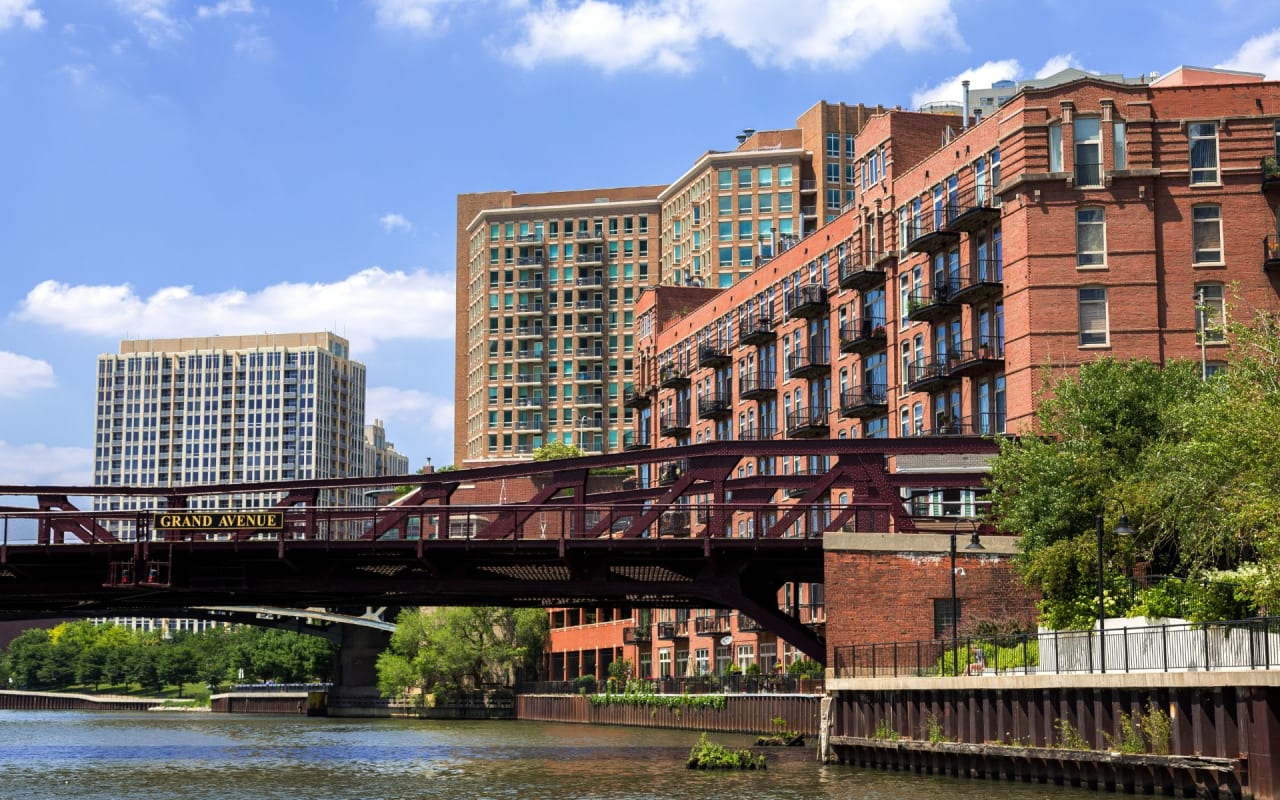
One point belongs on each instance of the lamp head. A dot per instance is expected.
(974, 543)
(1122, 527)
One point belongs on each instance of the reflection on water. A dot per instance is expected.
(71, 754)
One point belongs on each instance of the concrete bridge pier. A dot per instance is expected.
(355, 683)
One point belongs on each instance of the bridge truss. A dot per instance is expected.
(723, 525)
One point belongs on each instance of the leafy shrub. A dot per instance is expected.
(805, 668)
(709, 755)
(585, 684)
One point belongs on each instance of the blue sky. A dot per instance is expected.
(179, 168)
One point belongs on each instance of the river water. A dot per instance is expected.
(69, 754)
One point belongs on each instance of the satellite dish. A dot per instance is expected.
(726, 640)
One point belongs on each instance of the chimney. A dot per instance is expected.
(964, 105)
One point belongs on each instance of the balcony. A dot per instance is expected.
(979, 282)
(529, 402)
(590, 423)
(716, 624)
(636, 398)
(809, 362)
(596, 235)
(589, 305)
(934, 303)
(595, 281)
(927, 235)
(528, 378)
(861, 272)
(757, 387)
(757, 433)
(590, 258)
(528, 309)
(630, 441)
(713, 354)
(589, 400)
(1271, 253)
(590, 329)
(976, 356)
(672, 376)
(530, 332)
(589, 353)
(808, 301)
(590, 376)
(529, 424)
(809, 186)
(803, 488)
(748, 625)
(928, 373)
(528, 355)
(640, 634)
(716, 406)
(526, 261)
(673, 630)
(529, 238)
(674, 423)
(976, 207)
(808, 423)
(861, 402)
(675, 523)
(863, 335)
(670, 472)
(756, 329)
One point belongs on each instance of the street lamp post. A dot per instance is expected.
(1202, 332)
(1122, 529)
(974, 544)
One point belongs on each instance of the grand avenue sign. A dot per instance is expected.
(218, 521)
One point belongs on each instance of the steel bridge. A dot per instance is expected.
(723, 525)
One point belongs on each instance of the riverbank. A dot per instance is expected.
(67, 701)
(756, 714)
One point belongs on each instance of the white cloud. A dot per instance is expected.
(980, 77)
(1057, 64)
(152, 19)
(609, 37)
(667, 34)
(26, 464)
(391, 222)
(78, 74)
(253, 43)
(1259, 54)
(21, 374)
(418, 16)
(432, 412)
(20, 12)
(370, 306)
(225, 8)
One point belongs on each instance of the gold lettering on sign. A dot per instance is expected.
(202, 521)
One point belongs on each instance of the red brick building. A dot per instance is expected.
(1077, 221)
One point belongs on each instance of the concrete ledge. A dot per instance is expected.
(915, 543)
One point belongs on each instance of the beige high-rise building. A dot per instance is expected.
(547, 282)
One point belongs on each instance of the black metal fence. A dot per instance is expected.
(1122, 647)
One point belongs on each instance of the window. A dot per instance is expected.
(744, 204)
(766, 204)
(725, 179)
(1091, 238)
(1055, 148)
(833, 145)
(1206, 234)
(848, 145)
(1088, 151)
(833, 199)
(1210, 314)
(1204, 152)
(943, 614)
(744, 177)
(1117, 140)
(725, 205)
(766, 177)
(1093, 316)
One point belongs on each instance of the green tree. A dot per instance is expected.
(552, 451)
(1098, 429)
(451, 648)
(26, 657)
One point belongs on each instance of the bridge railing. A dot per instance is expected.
(1126, 645)
(733, 520)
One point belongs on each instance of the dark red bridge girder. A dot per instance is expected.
(725, 524)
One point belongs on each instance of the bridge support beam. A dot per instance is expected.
(356, 671)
